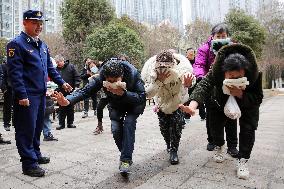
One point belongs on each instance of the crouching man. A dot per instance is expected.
(125, 91)
(232, 62)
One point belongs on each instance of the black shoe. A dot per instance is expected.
(43, 160)
(49, 137)
(174, 157)
(233, 152)
(71, 126)
(60, 127)
(210, 146)
(34, 172)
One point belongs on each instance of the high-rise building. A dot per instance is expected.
(214, 11)
(152, 12)
(11, 15)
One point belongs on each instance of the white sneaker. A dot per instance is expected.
(220, 154)
(242, 169)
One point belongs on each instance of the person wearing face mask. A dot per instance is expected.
(167, 77)
(125, 91)
(103, 101)
(234, 62)
(203, 62)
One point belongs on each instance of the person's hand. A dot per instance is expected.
(119, 91)
(61, 100)
(89, 73)
(187, 80)
(162, 75)
(24, 102)
(190, 109)
(235, 91)
(67, 87)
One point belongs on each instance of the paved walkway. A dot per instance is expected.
(82, 160)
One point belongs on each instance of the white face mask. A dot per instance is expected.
(94, 69)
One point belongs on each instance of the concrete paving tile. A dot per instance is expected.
(54, 181)
(88, 174)
(11, 182)
(274, 185)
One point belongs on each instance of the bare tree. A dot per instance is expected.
(272, 62)
(197, 32)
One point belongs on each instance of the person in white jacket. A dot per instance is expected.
(167, 77)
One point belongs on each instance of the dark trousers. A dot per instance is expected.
(28, 127)
(202, 111)
(246, 135)
(123, 126)
(86, 103)
(230, 128)
(171, 128)
(7, 107)
(66, 111)
(100, 108)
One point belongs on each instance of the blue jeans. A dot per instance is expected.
(123, 126)
(46, 125)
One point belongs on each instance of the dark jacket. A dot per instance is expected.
(29, 64)
(84, 76)
(253, 94)
(133, 100)
(1, 76)
(49, 106)
(70, 75)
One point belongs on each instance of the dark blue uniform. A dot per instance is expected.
(29, 65)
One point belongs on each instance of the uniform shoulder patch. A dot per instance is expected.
(11, 52)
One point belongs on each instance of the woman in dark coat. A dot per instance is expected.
(232, 62)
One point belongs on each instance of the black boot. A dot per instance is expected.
(34, 172)
(71, 126)
(43, 160)
(60, 127)
(210, 146)
(233, 152)
(174, 157)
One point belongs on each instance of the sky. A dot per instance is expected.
(186, 11)
(187, 7)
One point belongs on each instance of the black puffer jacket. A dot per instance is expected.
(133, 100)
(70, 75)
(211, 85)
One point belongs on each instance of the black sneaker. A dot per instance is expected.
(34, 172)
(71, 126)
(60, 127)
(49, 137)
(43, 160)
(174, 157)
(233, 152)
(210, 146)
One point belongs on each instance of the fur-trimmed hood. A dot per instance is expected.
(224, 52)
